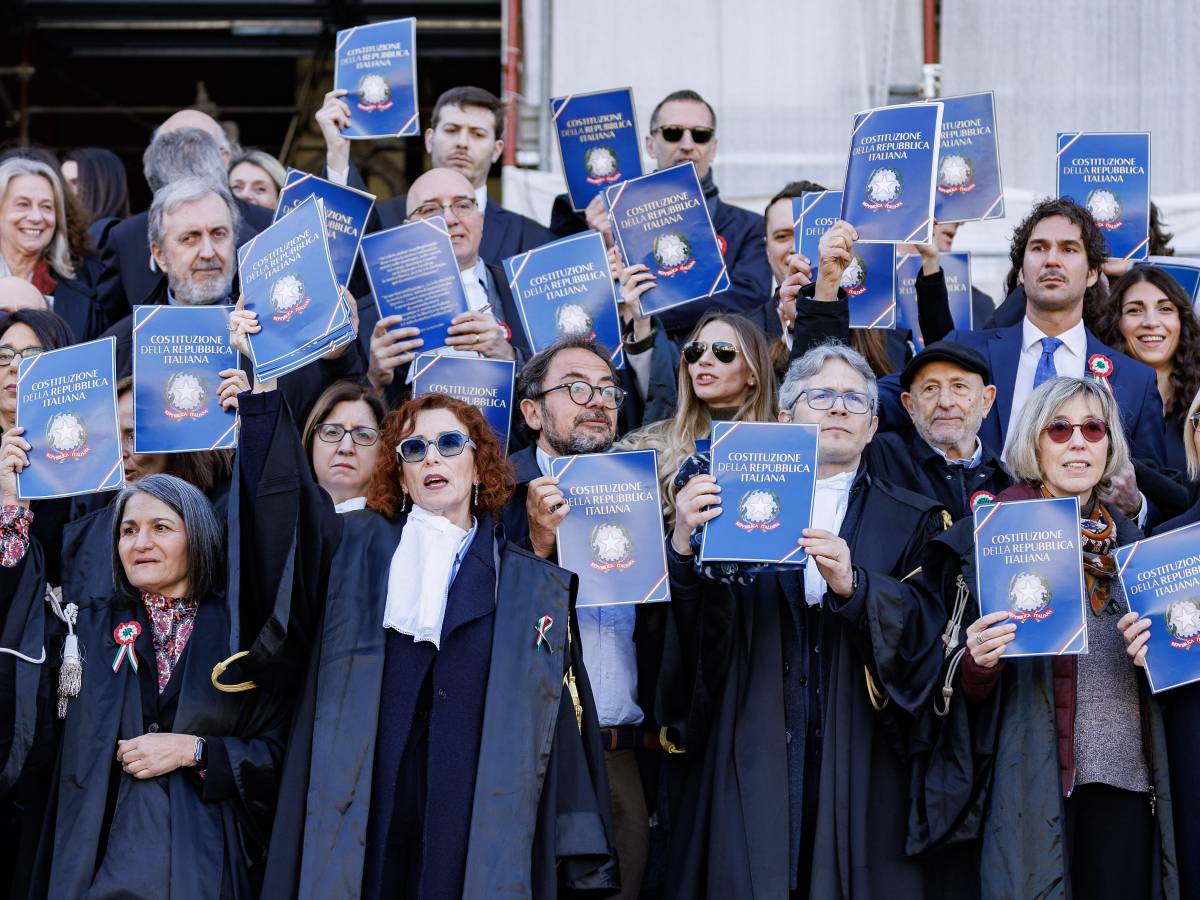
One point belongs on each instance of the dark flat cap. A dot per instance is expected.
(946, 351)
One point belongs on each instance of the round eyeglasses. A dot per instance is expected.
(448, 443)
(582, 393)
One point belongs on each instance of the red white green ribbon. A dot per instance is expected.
(1100, 366)
(125, 634)
(542, 627)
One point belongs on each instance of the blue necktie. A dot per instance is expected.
(1045, 367)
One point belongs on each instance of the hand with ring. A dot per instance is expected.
(987, 639)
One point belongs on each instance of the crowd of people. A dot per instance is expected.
(343, 661)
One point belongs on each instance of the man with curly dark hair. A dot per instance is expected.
(1057, 252)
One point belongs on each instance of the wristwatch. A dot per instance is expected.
(200, 754)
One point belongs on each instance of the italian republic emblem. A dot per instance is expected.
(956, 175)
(854, 279)
(601, 165)
(672, 254)
(1029, 596)
(1105, 207)
(186, 396)
(612, 547)
(374, 94)
(573, 318)
(1182, 618)
(288, 297)
(884, 187)
(759, 510)
(66, 437)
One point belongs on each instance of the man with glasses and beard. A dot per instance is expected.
(683, 128)
(569, 395)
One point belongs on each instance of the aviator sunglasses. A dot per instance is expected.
(1060, 430)
(673, 134)
(724, 351)
(448, 443)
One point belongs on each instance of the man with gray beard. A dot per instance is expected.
(947, 392)
(570, 395)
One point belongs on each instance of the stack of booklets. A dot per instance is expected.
(288, 279)
(346, 214)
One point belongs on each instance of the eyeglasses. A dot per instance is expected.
(582, 393)
(8, 354)
(448, 443)
(821, 399)
(460, 206)
(1060, 430)
(724, 351)
(673, 134)
(333, 434)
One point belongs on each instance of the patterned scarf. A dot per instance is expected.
(1099, 539)
(171, 620)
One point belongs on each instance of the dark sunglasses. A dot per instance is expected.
(724, 351)
(448, 443)
(1060, 430)
(360, 434)
(1195, 420)
(673, 134)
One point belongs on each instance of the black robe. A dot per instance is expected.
(176, 835)
(722, 695)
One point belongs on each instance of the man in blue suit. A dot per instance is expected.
(466, 134)
(1058, 251)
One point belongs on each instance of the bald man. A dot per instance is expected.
(130, 274)
(17, 293)
(491, 329)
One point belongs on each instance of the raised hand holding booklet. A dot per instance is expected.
(1185, 270)
(566, 287)
(869, 281)
(1029, 562)
(767, 472)
(287, 278)
(891, 173)
(612, 538)
(413, 273)
(1161, 578)
(178, 353)
(377, 64)
(346, 214)
(597, 141)
(956, 269)
(1109, 173)
(485, 383)
(67, 404)
(969, 187)
(662, 221)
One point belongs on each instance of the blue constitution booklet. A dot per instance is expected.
(413, 273)
(612, 538)
(1029, 562)
(178, 353)
(969, 187)
(662, 221)
(597, 141)
(346, 213)
(956, 269)
(485, 383)
(377, 64)
(566, 287)
(287, 278)
(891, 173)
(1161, 578)
(67, 404)
(1109, 173)
(1185, 270)
(869, 281)
(767, 472)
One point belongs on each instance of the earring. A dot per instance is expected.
(477, 493)
(403, 500)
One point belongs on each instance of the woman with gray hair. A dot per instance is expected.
(1073, 746)
(164, 785)
(34, 244)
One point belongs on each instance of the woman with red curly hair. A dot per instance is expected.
(439, 746)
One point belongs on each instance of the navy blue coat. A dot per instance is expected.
(1133, 385)
(76, 300)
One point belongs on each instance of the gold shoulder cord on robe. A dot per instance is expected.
(219, 670)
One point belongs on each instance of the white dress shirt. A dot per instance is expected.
(1069, 360)
(830, 500)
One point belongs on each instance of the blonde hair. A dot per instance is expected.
(58, 253)
(675, 438)
(1021, 450)
(1189, 439)
(264, 161)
